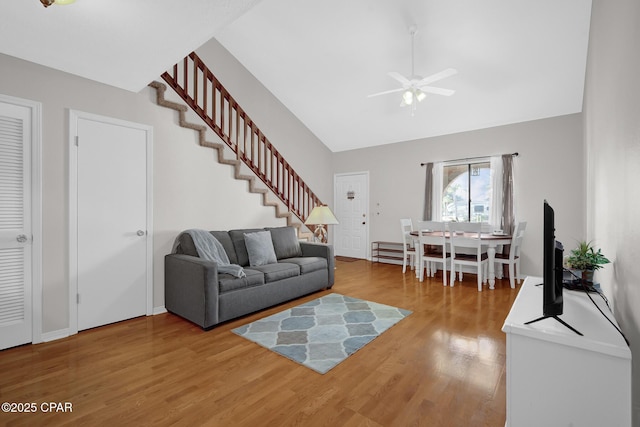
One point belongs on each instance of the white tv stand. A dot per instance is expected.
(558, 378)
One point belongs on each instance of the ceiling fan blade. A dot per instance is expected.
(437, 90)
(385, 92)
(399, 77)
(437, 76)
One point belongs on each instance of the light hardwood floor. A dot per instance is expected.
(444, 365)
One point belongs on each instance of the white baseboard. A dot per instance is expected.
(55, 335)
(159, 310)
(64, 333)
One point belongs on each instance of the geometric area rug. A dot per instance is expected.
(321, 333)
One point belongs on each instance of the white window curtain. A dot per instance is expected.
(438, 180)
(497, 191)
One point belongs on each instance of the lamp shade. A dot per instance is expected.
(321, 215)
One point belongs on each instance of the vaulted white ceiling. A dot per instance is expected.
(517, 60)
(123, 43)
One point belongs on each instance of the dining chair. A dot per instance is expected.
(433, 247)
(408, 248)
(512, 259)
(466, 249)
(421, 225)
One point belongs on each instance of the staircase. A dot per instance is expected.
(204, 94)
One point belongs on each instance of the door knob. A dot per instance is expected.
(21, 238)
(140, 233)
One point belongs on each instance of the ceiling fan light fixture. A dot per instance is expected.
(420, 95)
(407, 97)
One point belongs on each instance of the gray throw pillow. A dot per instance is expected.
(260, 248)
(285, 242)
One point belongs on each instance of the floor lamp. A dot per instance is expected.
(321, 216)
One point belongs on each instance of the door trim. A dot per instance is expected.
(74, 116)
(367, 249)
(36, 211)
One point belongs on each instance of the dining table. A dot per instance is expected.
(491, 240)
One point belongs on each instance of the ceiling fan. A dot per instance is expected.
(415, 88)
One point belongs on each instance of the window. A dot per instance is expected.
(466, 194)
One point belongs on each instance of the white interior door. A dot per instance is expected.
(15, 225)
(352, 211)
(15, 232)
(112, 252)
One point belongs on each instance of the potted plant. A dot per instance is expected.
(586, 259)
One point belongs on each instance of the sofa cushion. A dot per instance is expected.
(260, 248)
(227, 282)
(237, 237)
(285, 242)
(308, 264)
(278, 271)
(187, 247)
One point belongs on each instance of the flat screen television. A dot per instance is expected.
(551, 266)
(552, 270)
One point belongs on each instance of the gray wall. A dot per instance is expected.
(550, 166)
(612, 134)
(190, 188)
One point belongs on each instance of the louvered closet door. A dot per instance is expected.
(15, 225)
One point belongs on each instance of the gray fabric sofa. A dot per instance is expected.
(196, 291)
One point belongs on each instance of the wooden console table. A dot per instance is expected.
(558, 378)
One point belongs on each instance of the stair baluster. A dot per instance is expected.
(206, 96)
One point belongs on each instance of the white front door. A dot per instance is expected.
(111, 251)
(352, 211)
(15, 225)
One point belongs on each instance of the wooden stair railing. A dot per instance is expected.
(198, 87)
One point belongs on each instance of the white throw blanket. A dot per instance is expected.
(211, 249)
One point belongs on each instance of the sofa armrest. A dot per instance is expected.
(191, 288)
(324, 251)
